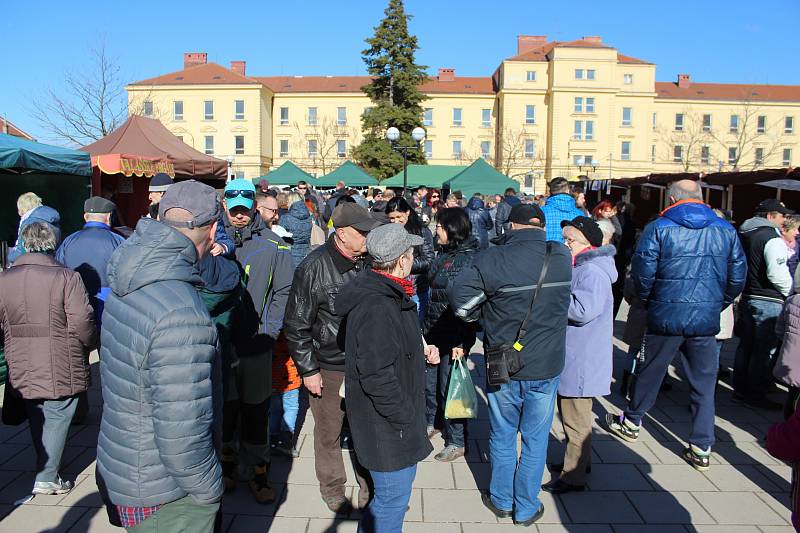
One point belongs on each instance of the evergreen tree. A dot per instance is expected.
(395, 92)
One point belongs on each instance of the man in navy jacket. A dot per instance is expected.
(688, 267)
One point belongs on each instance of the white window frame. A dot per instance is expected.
(705, 154)
(236, 114)
(281, 151)
(341, 112)
(652, 153)
(457, 154)
(627, 79)
(529, 143)
(427, 147)
(340, 152)
(577, 130)
(761, 124)
(313, 116)
(530, 115)
(486, 122)
(787, 157)
(627, 122)
(734, 124)
(588, 130)
(625, 155)
(530, 75)
(589, 104)
(427, 116)
(788, 125)
(590, 74)
(206, 143)
(458, 122)
(677, 153)
(284, 121)
(486, 154)
(145, 112)
(731, 155)
(679, 124)
(707, 127)
(579, 74)
(578, 105)
(315, 152)
(758, 156)
(175, 114)
(655, 121)
(236, 149)
(206, 114)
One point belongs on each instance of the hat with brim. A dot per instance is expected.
(350, 214)
(160, 183)
(588, 228)
(239, 200)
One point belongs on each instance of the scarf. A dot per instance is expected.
(406, 284)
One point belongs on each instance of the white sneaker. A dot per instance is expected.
(52, 487)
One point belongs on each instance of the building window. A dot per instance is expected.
(677, 153)
(238, 111)
(584, 130)
(706, 123)
(590, 105)
(209, 143)
(759, 158)
(590, 74)
(180, 137)
(626, 116)
(284, 116)
(627, 79)
(530, 148)
(734, 124)
(283, 151)
(456, 149)
(678, 121)
(238, 143)
(788, 125)
(312, 148)
(238, 174)
(486, 148)
(577, 133)
(579, 104)
(177, 110)
(208, 110)
(578, 73)
(341, 116)
(732, 155)
(486, 118)
(655, 121)
(787, 157)
(427, 116)
(589, 133)
(312, 116)
(761, 124)
(428, 148)
(147, 108)
(652, 153)
(457, 117)
(625, 152)
(579, 160)
(530, 75)
(530, 114)
(341, 148)
(705, 155)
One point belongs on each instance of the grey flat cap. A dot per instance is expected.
(390, 241)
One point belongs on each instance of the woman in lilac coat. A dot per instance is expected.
(588, 364)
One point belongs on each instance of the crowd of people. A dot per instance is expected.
(215, 316)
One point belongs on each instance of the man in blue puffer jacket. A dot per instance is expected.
(560, 206)
(688, 267)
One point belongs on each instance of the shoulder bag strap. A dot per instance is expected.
(521, 333)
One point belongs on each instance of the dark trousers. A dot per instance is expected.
(752, 368)
(701, 364)
(49, 422)
(246, 408)
(433, 412)
(328, 411)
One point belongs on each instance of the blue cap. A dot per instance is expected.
(239, 184)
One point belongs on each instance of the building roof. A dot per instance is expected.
(7, 127)
(540, 53)
(205, 74)
(728, 91)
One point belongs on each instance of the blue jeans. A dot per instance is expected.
(527, 407)
(283, 412)
(700, 366)
(752, 368)
(392, 492)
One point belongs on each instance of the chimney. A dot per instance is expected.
(596, 39)
(684, 81)
(190, 59)
(526, 43)
(238, 67)
(447, 74)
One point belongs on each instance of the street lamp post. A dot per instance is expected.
(230, 160)
(586, 161)
(393, 135)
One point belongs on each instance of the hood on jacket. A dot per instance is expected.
(44, 213)
(692, 215)
(603, 258)
(475, 203)
(561, 202)
(219, 274)
(512, 200)
(155, 252)
(368, 283)
(754, 223)
(299, 210)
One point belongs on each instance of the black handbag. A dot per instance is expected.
(505, 360)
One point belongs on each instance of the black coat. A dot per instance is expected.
(423, 257)
(384, 373)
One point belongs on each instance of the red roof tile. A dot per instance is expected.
(206, 74)
(729, 91)
(353, 84)
(540, 53)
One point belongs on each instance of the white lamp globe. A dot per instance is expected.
(392, 134)
(594, 162)
(418, 134)
(580, 160)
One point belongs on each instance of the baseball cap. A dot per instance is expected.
(772, 205)
(390, 241)
(588, 227)
(523, 213)
(197, 198)
(98, 204)
(160, 183)
(353, 215)
(240, 192)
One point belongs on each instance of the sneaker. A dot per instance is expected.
(228, 462)
(283, 445)
(338, 504)
(433, 431)
(59, 486)
(450, 453)
(260, 486)
(621, 428)
(697, 458)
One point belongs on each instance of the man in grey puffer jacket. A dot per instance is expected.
(160, 371)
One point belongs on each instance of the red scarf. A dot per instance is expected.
(407, 284)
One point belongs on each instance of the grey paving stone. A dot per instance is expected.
(329, 525)
(742, 508)
(9, 450)
(739, 478)
(780, 502)
(649, 528)
(94, 520)
(264, 524)
(669, 508)
(675, 478)
(85, 494)
(241, 500)
(472, 475)
(668, 452)
(573, 528)
(302, 501)
(434, 475)
(454, 506)
(51, 519)
(489, 528)
(742, 453)
(776, 529)
(22, 485)
(421, 527)
(723, 529)
(600, 508)
(779, 474)
(616, 477)
(614, 451)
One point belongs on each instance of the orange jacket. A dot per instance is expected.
(284, 373)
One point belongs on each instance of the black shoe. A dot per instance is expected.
(560, 487)
(346, 443)
(486, 498)
(557, 468)
(529, 522)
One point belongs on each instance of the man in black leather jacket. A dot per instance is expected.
(311, 327)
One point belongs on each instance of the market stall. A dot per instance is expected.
(348, 172)
(286, 174)
(480, 177)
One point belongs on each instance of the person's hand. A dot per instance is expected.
(217, 249)
(314, 384)
(458, 353)
(432, 355)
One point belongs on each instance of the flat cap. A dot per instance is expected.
(98, 204)
(353, 215)
(390, 241)
(523, 213)
(160, 183)
(197, 198)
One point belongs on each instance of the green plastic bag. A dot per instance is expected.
(462, 401)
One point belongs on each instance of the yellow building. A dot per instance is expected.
(553, 109)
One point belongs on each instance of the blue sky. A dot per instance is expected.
(727, 41)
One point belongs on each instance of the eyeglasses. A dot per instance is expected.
(302, 188)
(234, 193)
(267, 209)
(434, 196)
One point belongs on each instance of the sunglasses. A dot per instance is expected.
(434, 196)
(250, 195)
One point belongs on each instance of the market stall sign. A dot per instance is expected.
(133, 166)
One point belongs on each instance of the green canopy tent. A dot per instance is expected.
(480, 177)
(60, 176)
(348, 172)
(287, 174)
(428, 175)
